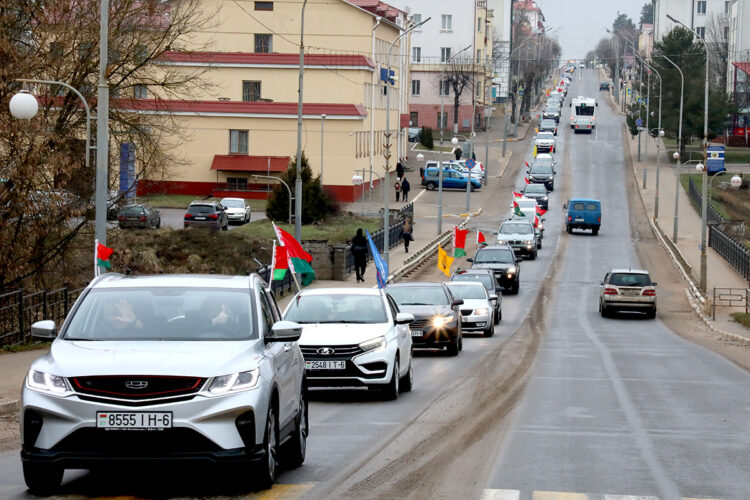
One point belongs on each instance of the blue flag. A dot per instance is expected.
(380, 264)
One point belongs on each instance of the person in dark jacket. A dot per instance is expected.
(406, 234)
(458, 152)
(405, 188)
(359, 250)
(399, 170)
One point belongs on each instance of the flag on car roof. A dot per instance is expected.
(540, 211)
(279, 262)
(300, 262)
(480, 239)
(459, 241)
(444, 261)
(526, 180)
(517, 210)
(380, 266)
(516, 194)
(526, 162)
(101, 257)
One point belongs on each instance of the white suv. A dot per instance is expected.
(354, 337)
(167, 368)
(627, 290)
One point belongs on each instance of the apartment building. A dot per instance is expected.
(697, 14)
(739, 56)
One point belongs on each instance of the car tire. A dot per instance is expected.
(595, 231)
(407, 381)
(431, 186)
(472, 188)
(603, 310)
(498, 316)
(297, 445)
(490, 330)
(651, 314)
(454, 348)
(532, 255)
(158, 224)
(391, 390)
(42, 479)
(568, 229)
(268, 466)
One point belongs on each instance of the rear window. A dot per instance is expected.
(591, 206)
(132, 211)
(578, 206)
(629, 279)
(485, 279)
(201, 209)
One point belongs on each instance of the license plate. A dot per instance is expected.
(325, 365)
(199, 218)
(120, 420)
(579, 220)
(631, 293)
(417, 333)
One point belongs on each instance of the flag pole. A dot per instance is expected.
(96, 267)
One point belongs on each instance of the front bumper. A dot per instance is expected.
(372, 368)
(431, 336)
(476, 322)
(236, 217)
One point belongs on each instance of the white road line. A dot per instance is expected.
(417, 197)
(628, 497)
(490, 494)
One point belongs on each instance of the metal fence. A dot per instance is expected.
(378, 237)
(18, 310)
(696, 197)
(279, 287)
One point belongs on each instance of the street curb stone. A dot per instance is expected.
(9, 406)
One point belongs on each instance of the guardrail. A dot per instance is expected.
(734, 252)
(277, 286)
(730, 297)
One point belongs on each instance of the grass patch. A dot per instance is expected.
(336, 230)
(420, 147)
(742, 318)
(714, 193)
(183, 200)
(33, 346)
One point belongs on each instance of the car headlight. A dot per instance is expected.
(545, 198)
(512, 270)
(46, 382)
(481, 311)
(441, 321)
(501, 242)
(241, 381)
(528, 242)
(371, 345)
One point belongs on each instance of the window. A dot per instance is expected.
(263, 43)
(726, 33)
(263, 5)
(141, 53)
(140, 91)
(445, 54)
(479, 56)
(238, 142)
(727, 7)
(417, 19)
(701, 31)
(479, 25)
(414, 119)
(447, 22)
(442, 119)
(700, 7)
(445, 88)
(416, 54)
(415, 87)
(250, 91)
(236, 184)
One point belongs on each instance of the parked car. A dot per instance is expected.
(237, 210)
(452, 179)
(140, 216)
(627, 290)
(210, 214)
(548, 125)
(487, 278)
(583, 213)
(502, 261)
(166, 369)
(537, 192)
(415, 134)
(354, 337)
(604, 86)
(437, 318)
(520, 235)
(476, 311)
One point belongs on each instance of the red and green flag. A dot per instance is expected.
(536, 221)
(300, 262)
(459, 241)
(540, 211)
(279, 262)
(526, 180)
(480, 239)
(102, 256)
(517, 210)
(517, 194)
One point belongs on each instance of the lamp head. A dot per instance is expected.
(23, 105)
(700, 167)
(661, 133)
(420, 157)
(676, 155)
(454, 141)
(356, 179)
(735, 181)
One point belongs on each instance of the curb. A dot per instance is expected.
(9, 406)
(510, 157)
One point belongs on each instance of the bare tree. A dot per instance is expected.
(460, 74)
(718, 44)
(47, 192)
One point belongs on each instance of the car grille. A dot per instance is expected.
(466, 312)
(137, 387)
(140, 443)
(336, 351)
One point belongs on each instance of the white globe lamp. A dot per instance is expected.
(661, 133)
(454, 141)
(699, 167)
(676, 155)
(420, 157)
(23, 105)
(357, 179)
(735, 181)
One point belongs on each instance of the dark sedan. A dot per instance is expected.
(548, 125)
(537, 192)
(502, 261)
(139, 216)
(437, 317)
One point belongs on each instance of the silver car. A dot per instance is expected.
(519, 234)
(354, 338)
(237, 210)
(167, 368)
(477, 309)
(627, 290)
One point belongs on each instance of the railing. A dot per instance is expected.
(730, 297)
(279, 287)
(696, 197)
(18, 310)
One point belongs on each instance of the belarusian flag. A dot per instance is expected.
(480, 239)
(517, 195)
(536, 221)
(526, 162)
(299, 261)
(102, 256)
(526, 180)
(444, 261)
(517, 210)
(459, 241)
(279, 262)
(540, 211)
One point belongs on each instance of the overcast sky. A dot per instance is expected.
(582, 22)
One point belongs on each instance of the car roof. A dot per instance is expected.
(473, 270)
(465, 283)
(583, 199)
(121, 281)
(496, 247)
(415, 283)
(233, 199)
(340, 291)
(631, 271)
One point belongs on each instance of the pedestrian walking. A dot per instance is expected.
(405, 188)
(399, 170)
(406, 234)
(458, 153)
(359, 250)
(397, 187)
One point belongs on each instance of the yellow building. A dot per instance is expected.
(246, 123)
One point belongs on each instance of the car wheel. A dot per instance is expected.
(453, 349)
(269, 464)
(297, 445)
(532, 255)
(603, 310)
(158, 224)
(490, 330)
(407, 382)
(595, 231)
(651, 314)
(42, 479)
(391, 390)
(568, 229)
(431, 186)
(498, 316)
(472, 188)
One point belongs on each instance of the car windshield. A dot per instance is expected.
(551, 109)
(548, 123)
(513, 228)
(545, 135)
(629, 279)
(484, 279)
(159, 314)
(467, 291)
(233, 203)
(132, 211)
(535, 189)
(523, 204)
(418, 295)
(499, 255)
(337, 308)
(541, 169)
(201, 209)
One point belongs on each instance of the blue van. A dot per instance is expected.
(583, 213)
(452, 179)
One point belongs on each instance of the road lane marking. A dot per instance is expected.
(559, 495)
(490, 494)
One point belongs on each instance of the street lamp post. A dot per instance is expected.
(660, 134)
(298, 180)
(322, 132)
(676, 154)
(704, 206)
(289, 191)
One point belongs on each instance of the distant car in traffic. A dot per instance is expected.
(452, 179)
(206, 214)
(548, 125)
(237, 210)
(502, 261)
(582, 123)
(627, 290)
(544, 142)
(542, 171)
(537, 192)
(476, 312)
(604, 86)
(521, 236)
(415, 134)
(583, 213)
(552, 113)
(487, 278)
(138, 216)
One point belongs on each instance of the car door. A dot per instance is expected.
(283, 357)
(403, 336)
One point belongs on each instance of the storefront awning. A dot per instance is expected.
(246, 163)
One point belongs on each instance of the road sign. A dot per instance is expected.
(470, 163)
(639, 122)
(715, 160)
(521, 91)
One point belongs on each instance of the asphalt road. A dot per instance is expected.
(174, 218)
(560, 403)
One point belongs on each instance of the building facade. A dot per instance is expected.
(739, 57)
(697, 14)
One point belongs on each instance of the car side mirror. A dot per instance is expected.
(457, 302)
(601, 283)
(653, 283)
(469, 260)
(565, 206)
(493, 297)
(404, 318)
(544, 220)
(284, 331)
(44, 329)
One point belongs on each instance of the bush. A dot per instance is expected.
(427, 140)
(316, 204)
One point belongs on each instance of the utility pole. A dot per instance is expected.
(298, 180)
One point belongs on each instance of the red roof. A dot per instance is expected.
(239, 107)
(378, 8)
(245, 163)
(742, 66)
(267, 59)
